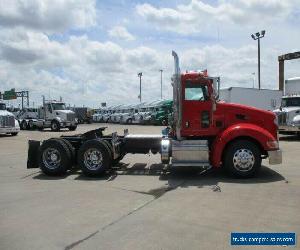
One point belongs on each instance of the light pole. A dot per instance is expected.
(161, 83)
(140, 76)
(257, 37)
(253, 78)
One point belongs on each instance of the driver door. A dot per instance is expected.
(196, 109)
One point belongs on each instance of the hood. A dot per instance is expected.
(286, 109)
(5, 113)
(248, 109)
(64, 111)
(238, 113)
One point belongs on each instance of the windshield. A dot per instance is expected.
(58, 106)
(2, 106)
(290, 102)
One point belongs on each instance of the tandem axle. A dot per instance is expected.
(95, 153)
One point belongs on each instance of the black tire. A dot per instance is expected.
(55, 126)
(23, 125)
(14, 133)
(71, 149)
(242, 159)
(164, 122)
(129, 121)
(73, 128)
(59, 149)
(97, 148)
(30, 125)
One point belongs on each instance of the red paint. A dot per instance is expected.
(226, 123)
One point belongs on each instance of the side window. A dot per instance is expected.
(195, 92)
(49, 108)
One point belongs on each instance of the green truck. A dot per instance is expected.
(161, 113)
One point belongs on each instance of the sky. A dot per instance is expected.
(89, 52)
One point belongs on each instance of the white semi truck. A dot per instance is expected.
(52, 114)
(8, 122)
(288, 114)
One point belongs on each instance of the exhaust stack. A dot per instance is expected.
(177, 98)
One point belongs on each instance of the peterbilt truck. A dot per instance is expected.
(8, 122)
(288, 113)
(204, 133)
(52, 114)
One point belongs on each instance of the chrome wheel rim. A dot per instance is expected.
(243, 160)
(51, 158)
(93, 159)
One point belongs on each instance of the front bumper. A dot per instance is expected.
(5, 130)
(288, 128)
(275, 157)
(67, 124)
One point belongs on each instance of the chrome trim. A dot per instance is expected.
(275, 157)
(165, 151)
(288, 128)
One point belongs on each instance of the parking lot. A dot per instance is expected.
(138, 206)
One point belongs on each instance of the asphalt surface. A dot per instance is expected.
(139, 207)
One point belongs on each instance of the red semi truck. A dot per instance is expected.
(203, 133)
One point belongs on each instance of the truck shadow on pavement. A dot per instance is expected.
(182, 178)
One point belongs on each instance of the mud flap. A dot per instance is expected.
(33, 152)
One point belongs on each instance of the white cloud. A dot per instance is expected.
(85, 71)
(122, 33)
(48, 15)
(196, 16)
(89, 72)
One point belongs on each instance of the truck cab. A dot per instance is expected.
(8, 123)
(56, 116)
(288, 115)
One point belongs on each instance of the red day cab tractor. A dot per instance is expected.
(203, 133)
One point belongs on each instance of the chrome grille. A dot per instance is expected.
(70, 117)
(7, 121)
(281, 118)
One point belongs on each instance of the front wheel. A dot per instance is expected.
(242, 159)
(14, 133)
(55, 126)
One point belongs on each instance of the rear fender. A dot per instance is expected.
(243, 130)
(33, 152)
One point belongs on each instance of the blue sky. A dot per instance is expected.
(90, 51)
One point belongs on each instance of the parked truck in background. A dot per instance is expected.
(52, 114)
(204, 133)
(161, 113)
(288, 114)
(83, 114)
(8, 122)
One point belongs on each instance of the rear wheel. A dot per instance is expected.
(14, 133)
(242, 159)
(94, 157)
(23, 125)
(73, 128)
(31, 125)
(54, 157)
